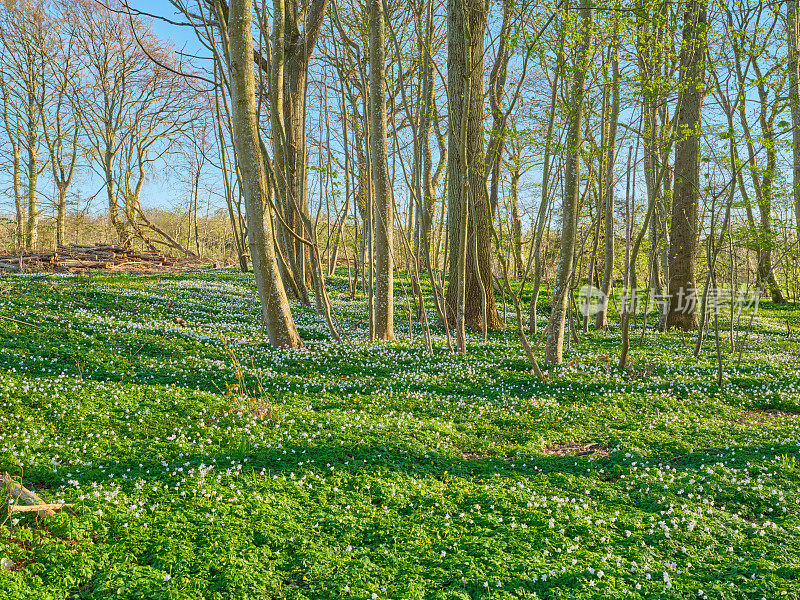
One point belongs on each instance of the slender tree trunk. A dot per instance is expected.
(275, 306)
(497, 83)
(569, 206)
(794, 102)
(235, 218)
(119, 225)
(19, 239)
(296, 160)
(628, 271)
(516, 225)
(426, 121)
(649, 54)
(61, 213)
(288, 72)
(32, 224)
(544, 202)
(601, 318)
(382, 190)
(766, 272)
(340, 221)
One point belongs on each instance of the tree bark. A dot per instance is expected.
(382, 190)
(516, 225)
(466, 26)
(61, 213)
(544, 203)
(497, 83)
(288, 74)
(601, 318)
(32, 224)
(428, 178)
(683, 227)
(794, 103)
(19, 211)
(569, 206)
(275, 306)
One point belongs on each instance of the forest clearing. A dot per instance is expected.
(199, 462)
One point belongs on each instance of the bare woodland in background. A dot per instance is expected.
(475, 153)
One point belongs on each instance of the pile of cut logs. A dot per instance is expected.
(77, 257)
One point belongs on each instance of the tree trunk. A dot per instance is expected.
(296, 161)
(119, 225)
(19, 239)
(516, 225)
(545, 199)
(466, 26)
(650, 59)
(288, 72)
(683, 227)
(382, 190)
(766, 274)
(428, 181)
(497, 83)
(794, 100)
(61, 213)
(275, 306)
(601, 318)
(569, 206)
(32, 224)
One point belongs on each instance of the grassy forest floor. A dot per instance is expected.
(202, 464)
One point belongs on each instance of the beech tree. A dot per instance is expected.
(22, 34)
(59, 92)
(274, 304)
(470, 296)
(382, 191)
(683, 226)
(750, 33)
(133, 109)
(295, 30)
(793, 39)
(607, 189)
(569, 203)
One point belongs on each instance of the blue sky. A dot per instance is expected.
(179, 35)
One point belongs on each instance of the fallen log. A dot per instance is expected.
(39, 508)
(24, 500)
(81, 257)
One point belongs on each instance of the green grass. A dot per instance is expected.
(371, 469)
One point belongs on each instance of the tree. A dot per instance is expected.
(749, 49)
(544, 202)
(518, 162)
(470, 296)
(429, 176)
(683, 226)
(382, 191)
(13, 129)
(287, 73)
(134, 108)
(794, 103)
(22, 33)
(569, 203)
(274, 303)
(654, 58)
(608, 179)
(58, 107)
